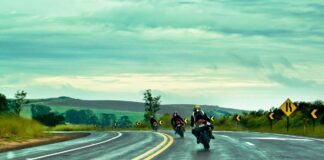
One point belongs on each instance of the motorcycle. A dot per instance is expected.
(179, 129)
(155, 126)
(203, 131)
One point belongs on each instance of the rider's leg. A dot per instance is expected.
(211, 132)
(195, 132)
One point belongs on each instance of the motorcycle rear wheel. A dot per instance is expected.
(205, 140)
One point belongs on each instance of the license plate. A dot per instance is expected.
(201, 125)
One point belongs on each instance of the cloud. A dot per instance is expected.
(252, 61)
(296, 82)
(100, 46)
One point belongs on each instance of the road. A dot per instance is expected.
(165, 145)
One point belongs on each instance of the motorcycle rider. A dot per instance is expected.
(199, 114)
(152, 121)
(176, 117)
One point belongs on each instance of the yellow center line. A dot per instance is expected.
(165, 139)
(162, 149)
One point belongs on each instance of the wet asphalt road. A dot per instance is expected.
(128, 145)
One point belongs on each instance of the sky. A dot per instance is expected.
(233, 53)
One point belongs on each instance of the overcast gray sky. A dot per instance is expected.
(233, 53)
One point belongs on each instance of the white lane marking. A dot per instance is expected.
(10, 155)
(277, 138)
(249, 143)
(75, 149)
(230, 138)
(225, 136)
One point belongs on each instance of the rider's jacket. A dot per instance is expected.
(197, 115)
(152, 120)
(175, 119)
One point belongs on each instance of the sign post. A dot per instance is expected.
(238, 119)
(271, 118)
(288, 108)
(314, 117)
(304, 123)
(115, 124)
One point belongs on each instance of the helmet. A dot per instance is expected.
(175, 113)
(196, 107)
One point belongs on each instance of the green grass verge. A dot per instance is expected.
(299, 131)
(14, 128)
(69, 127)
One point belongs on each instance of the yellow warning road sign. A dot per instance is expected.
(212, 118)
(288, 107)
(238, 118)
(271, 116)
(161, 122)
(314, 113)
(186, 120)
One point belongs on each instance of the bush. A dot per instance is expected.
(50, 119)
(124, 122)
(166, 120)
(16, 128)
(44, 115)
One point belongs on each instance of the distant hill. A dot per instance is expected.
(183, 109)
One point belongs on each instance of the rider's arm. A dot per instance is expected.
(206, 117)
(181, 119)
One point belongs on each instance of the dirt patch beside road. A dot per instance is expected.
(14, 145)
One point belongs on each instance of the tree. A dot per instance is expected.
(81, 117)
(39, 110)
(152, 104)
(87, 117)
(20, 101)
(93, 119)
(72, 116)
(124, 122)
(44, 115)
(107, 120)
(3, 103)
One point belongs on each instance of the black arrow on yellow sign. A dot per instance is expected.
(186, 120)
(161, 122)
(314, 116)
(212, 118)
(313, 113)
(271, 116)
(238, 118)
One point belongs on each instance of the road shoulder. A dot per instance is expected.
(13, 145)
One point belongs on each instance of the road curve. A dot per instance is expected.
(152, 145)
(246, 145)
(99, 145)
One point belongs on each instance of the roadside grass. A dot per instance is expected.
(298, 131)
(70, 127)
(15, 128)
